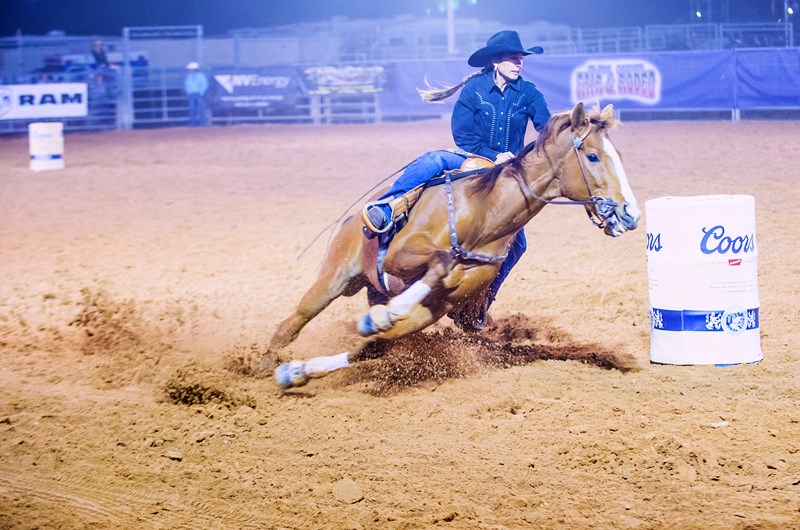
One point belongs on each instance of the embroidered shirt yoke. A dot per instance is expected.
(488, 122)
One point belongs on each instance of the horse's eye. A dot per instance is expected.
(593, 158)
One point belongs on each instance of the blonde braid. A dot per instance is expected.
(438, 95)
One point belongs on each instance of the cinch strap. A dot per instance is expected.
(456, 250)
(733, 321)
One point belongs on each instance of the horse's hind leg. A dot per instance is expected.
(298, 373)
(341, 274)
(317, 298)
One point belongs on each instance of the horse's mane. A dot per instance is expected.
(557, 123)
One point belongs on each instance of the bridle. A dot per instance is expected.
(604, 207)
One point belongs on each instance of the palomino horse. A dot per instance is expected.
(457, 236)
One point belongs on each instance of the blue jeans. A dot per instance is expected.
(197, 110)
(518, 248)
(428, 166)
(422, 170)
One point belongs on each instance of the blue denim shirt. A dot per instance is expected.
(488, 122)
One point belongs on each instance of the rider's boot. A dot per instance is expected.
(474, 316)
(377, 216)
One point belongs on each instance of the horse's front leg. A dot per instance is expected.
(382, 318)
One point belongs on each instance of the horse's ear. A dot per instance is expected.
(578, 117)
(607, 115)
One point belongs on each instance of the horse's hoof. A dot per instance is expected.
(366, 326)
(291, 374)
(377, 319)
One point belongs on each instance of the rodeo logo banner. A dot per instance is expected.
(265, 89)
(616, 79)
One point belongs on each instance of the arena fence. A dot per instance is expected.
(729, 84)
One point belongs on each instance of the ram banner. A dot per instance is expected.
(48, 100)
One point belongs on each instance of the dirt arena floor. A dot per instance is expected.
(139, 288)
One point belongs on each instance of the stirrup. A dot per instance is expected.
(398, 206)
(368, 222)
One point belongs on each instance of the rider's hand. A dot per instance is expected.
(504, 157)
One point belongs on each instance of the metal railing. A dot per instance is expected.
(360, 40)
(158, 101)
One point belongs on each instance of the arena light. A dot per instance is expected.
(698, 14)
(442, 6)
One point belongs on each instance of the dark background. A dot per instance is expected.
(108, 17)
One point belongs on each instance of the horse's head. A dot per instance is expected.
(591, 170)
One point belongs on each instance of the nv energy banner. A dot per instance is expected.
(271, 90)
(50, 100)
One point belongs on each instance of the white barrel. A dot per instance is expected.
(46, 145)
(702, 268)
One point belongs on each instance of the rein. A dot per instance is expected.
(604, 207)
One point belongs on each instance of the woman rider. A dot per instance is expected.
(489, 119)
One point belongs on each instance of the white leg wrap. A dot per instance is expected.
(402, 304)
(319, 366)
(381, 318)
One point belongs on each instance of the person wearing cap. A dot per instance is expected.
(489, 120)
(195, 85)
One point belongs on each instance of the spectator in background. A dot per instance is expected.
(195, 85)
(99, 92)
(99, 54)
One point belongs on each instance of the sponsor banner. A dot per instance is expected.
(343, 79)
(638, 81)
(641, 81)
(49, 100)
(768, 78)
(271, 90)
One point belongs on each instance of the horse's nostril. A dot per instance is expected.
(628, 219)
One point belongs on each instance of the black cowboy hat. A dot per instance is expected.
(506, 41)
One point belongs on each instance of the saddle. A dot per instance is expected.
(375, 247)
(400, 206)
